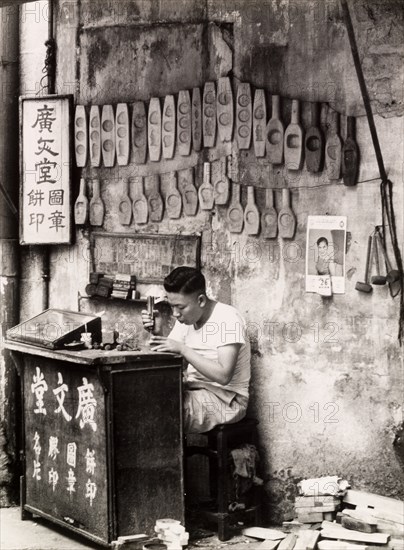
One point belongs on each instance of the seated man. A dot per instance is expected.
(211, 337)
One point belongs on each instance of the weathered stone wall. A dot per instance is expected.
(327, 373)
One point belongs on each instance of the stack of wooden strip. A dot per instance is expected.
(314, 509)
(387, 512)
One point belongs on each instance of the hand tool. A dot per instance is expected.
(365, 286)
(377, 279)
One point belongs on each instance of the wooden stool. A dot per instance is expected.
(220, 440)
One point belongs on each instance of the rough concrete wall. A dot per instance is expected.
(327, 373)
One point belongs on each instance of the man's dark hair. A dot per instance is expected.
(322, 239)
(186, 280)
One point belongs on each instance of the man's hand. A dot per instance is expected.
(147, 320)
(161, 343)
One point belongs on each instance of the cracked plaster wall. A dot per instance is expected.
(326, 374)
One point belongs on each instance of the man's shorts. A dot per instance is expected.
(203, 410)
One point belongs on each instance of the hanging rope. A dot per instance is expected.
(386, 186)
(49, 68)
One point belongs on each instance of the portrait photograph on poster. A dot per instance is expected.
(325, 254)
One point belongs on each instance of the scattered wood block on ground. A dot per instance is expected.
(263, 533)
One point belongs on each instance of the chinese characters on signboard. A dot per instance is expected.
(45, 170)
(57, 447)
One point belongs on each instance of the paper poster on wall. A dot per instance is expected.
(45, 170)
(325, 254)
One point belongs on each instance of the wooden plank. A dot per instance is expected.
(288, 543)
(243, 115)
(336, 531)
(371, 500)
(339, 545)
(306, 539)
(362, 514)
(154, 129)
(263, 533)
(317, 500)
(267, 545)
(184, 123)
(358, 525)
(80, 136)
(139, 133)
(168, 127)
(309, 517)
(108, 136)
(322, 508)
(95, 136)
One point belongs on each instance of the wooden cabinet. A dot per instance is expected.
(103, 442)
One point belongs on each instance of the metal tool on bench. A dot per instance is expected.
(150, 311)
(365, 286)
(377, 279)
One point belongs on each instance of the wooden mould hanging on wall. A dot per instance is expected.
(108, 136)
(275, 134)
(168, 127)
(154, 129)
(139, 133)
(139, 204)
(225, 107)
(293, 141)
(173, 197)
(235, 213)
(184, 123)
(188, 191)
(243, 116)
(209, 114)
(154, 200)
(259, 123)
(80, 136)
(95, 136)
(122, 134)
(196, 120)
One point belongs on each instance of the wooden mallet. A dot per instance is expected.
(377, 279)
(365, 286)
(393, 275)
